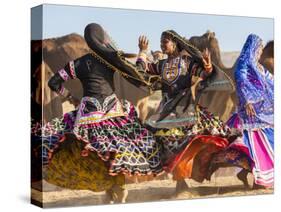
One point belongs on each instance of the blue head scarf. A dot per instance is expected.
(249, 53)
(253, 84)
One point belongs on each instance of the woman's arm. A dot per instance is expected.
(145, 66)
(63, 75)
(142, 62)
(205, 70)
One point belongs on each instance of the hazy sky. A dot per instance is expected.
(124, 26)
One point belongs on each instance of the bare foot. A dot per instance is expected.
(256, 186)
(242, 175)
(181, 186)
(124, 195)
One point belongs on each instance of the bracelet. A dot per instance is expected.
(208, 68)
(143, 51)
(143, 56)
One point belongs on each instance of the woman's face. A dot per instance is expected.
(167, 45)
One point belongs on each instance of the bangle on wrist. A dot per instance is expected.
(208, 68)
(208, 65)
(143, 56)
(143, 51)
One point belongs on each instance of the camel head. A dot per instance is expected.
(208, 40)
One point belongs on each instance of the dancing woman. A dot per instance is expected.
(109, 139)
(255, 91)
(189, 134)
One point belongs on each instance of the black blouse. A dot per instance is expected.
(177, 77)
(96, 78)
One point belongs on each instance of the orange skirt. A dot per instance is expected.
(193, 162)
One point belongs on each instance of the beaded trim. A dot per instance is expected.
(184, 40)
(72, 69)
(115, 69)
(102, 113)
(63, 74)
(258, 126)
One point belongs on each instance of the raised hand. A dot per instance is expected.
(207, 60)
(143, 43)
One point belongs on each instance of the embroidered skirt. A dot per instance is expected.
(187, 150)
(111, 131)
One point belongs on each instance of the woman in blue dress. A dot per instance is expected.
(254, 117)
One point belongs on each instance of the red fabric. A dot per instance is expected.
(193, 161)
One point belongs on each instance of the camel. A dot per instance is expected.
(48, 56)
(220, 103)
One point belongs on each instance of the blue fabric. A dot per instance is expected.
(253, 86)
(269, 132)
(246, 140)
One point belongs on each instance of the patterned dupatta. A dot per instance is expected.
(105, 51)
(254, 84)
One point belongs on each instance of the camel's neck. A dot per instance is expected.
(222, 66)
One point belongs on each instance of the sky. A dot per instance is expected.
(125, 26)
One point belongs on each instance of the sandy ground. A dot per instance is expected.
(155, 190)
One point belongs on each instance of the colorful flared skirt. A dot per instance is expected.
(258, 144)
(69, 170)
(188, 150)
(120, 142)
